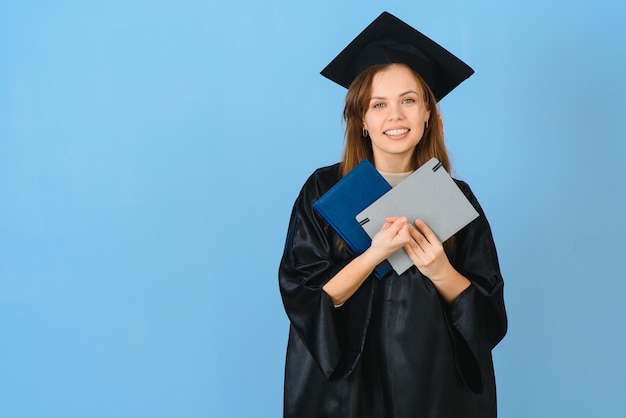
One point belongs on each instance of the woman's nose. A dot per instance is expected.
(395, 112)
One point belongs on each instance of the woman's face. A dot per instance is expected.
(395, 118)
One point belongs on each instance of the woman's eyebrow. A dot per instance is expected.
(400, 95)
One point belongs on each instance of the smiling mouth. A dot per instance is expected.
(396, 132)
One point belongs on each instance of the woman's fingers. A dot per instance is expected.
(426, 232)
(419, 232)
(423, 239)
(390, 230)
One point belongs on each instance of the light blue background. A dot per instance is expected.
(150, 152)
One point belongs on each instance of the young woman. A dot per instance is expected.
(412, 345)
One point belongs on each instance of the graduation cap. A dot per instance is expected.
(389, 40)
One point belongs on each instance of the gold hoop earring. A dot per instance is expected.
(426, 124)
(365, 133)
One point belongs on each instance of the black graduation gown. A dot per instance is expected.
(395, 349)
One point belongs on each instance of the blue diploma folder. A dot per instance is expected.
(340, 205)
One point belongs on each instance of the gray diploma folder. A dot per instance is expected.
(429, 194)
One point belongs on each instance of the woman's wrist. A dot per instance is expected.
(450, 283)
(372, 256)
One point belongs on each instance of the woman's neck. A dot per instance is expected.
(394, 178)
(393, 164)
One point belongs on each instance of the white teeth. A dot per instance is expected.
(395, 132)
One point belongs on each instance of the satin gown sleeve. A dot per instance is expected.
(333, 336)
(477, 316)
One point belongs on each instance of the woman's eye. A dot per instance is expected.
(408, 100)
(379, 105)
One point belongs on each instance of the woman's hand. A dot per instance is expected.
(428, 254)
(426, 251)
(392, 236)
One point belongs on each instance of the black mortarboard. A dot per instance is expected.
(389, 40)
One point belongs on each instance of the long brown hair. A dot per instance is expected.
(357, 147)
